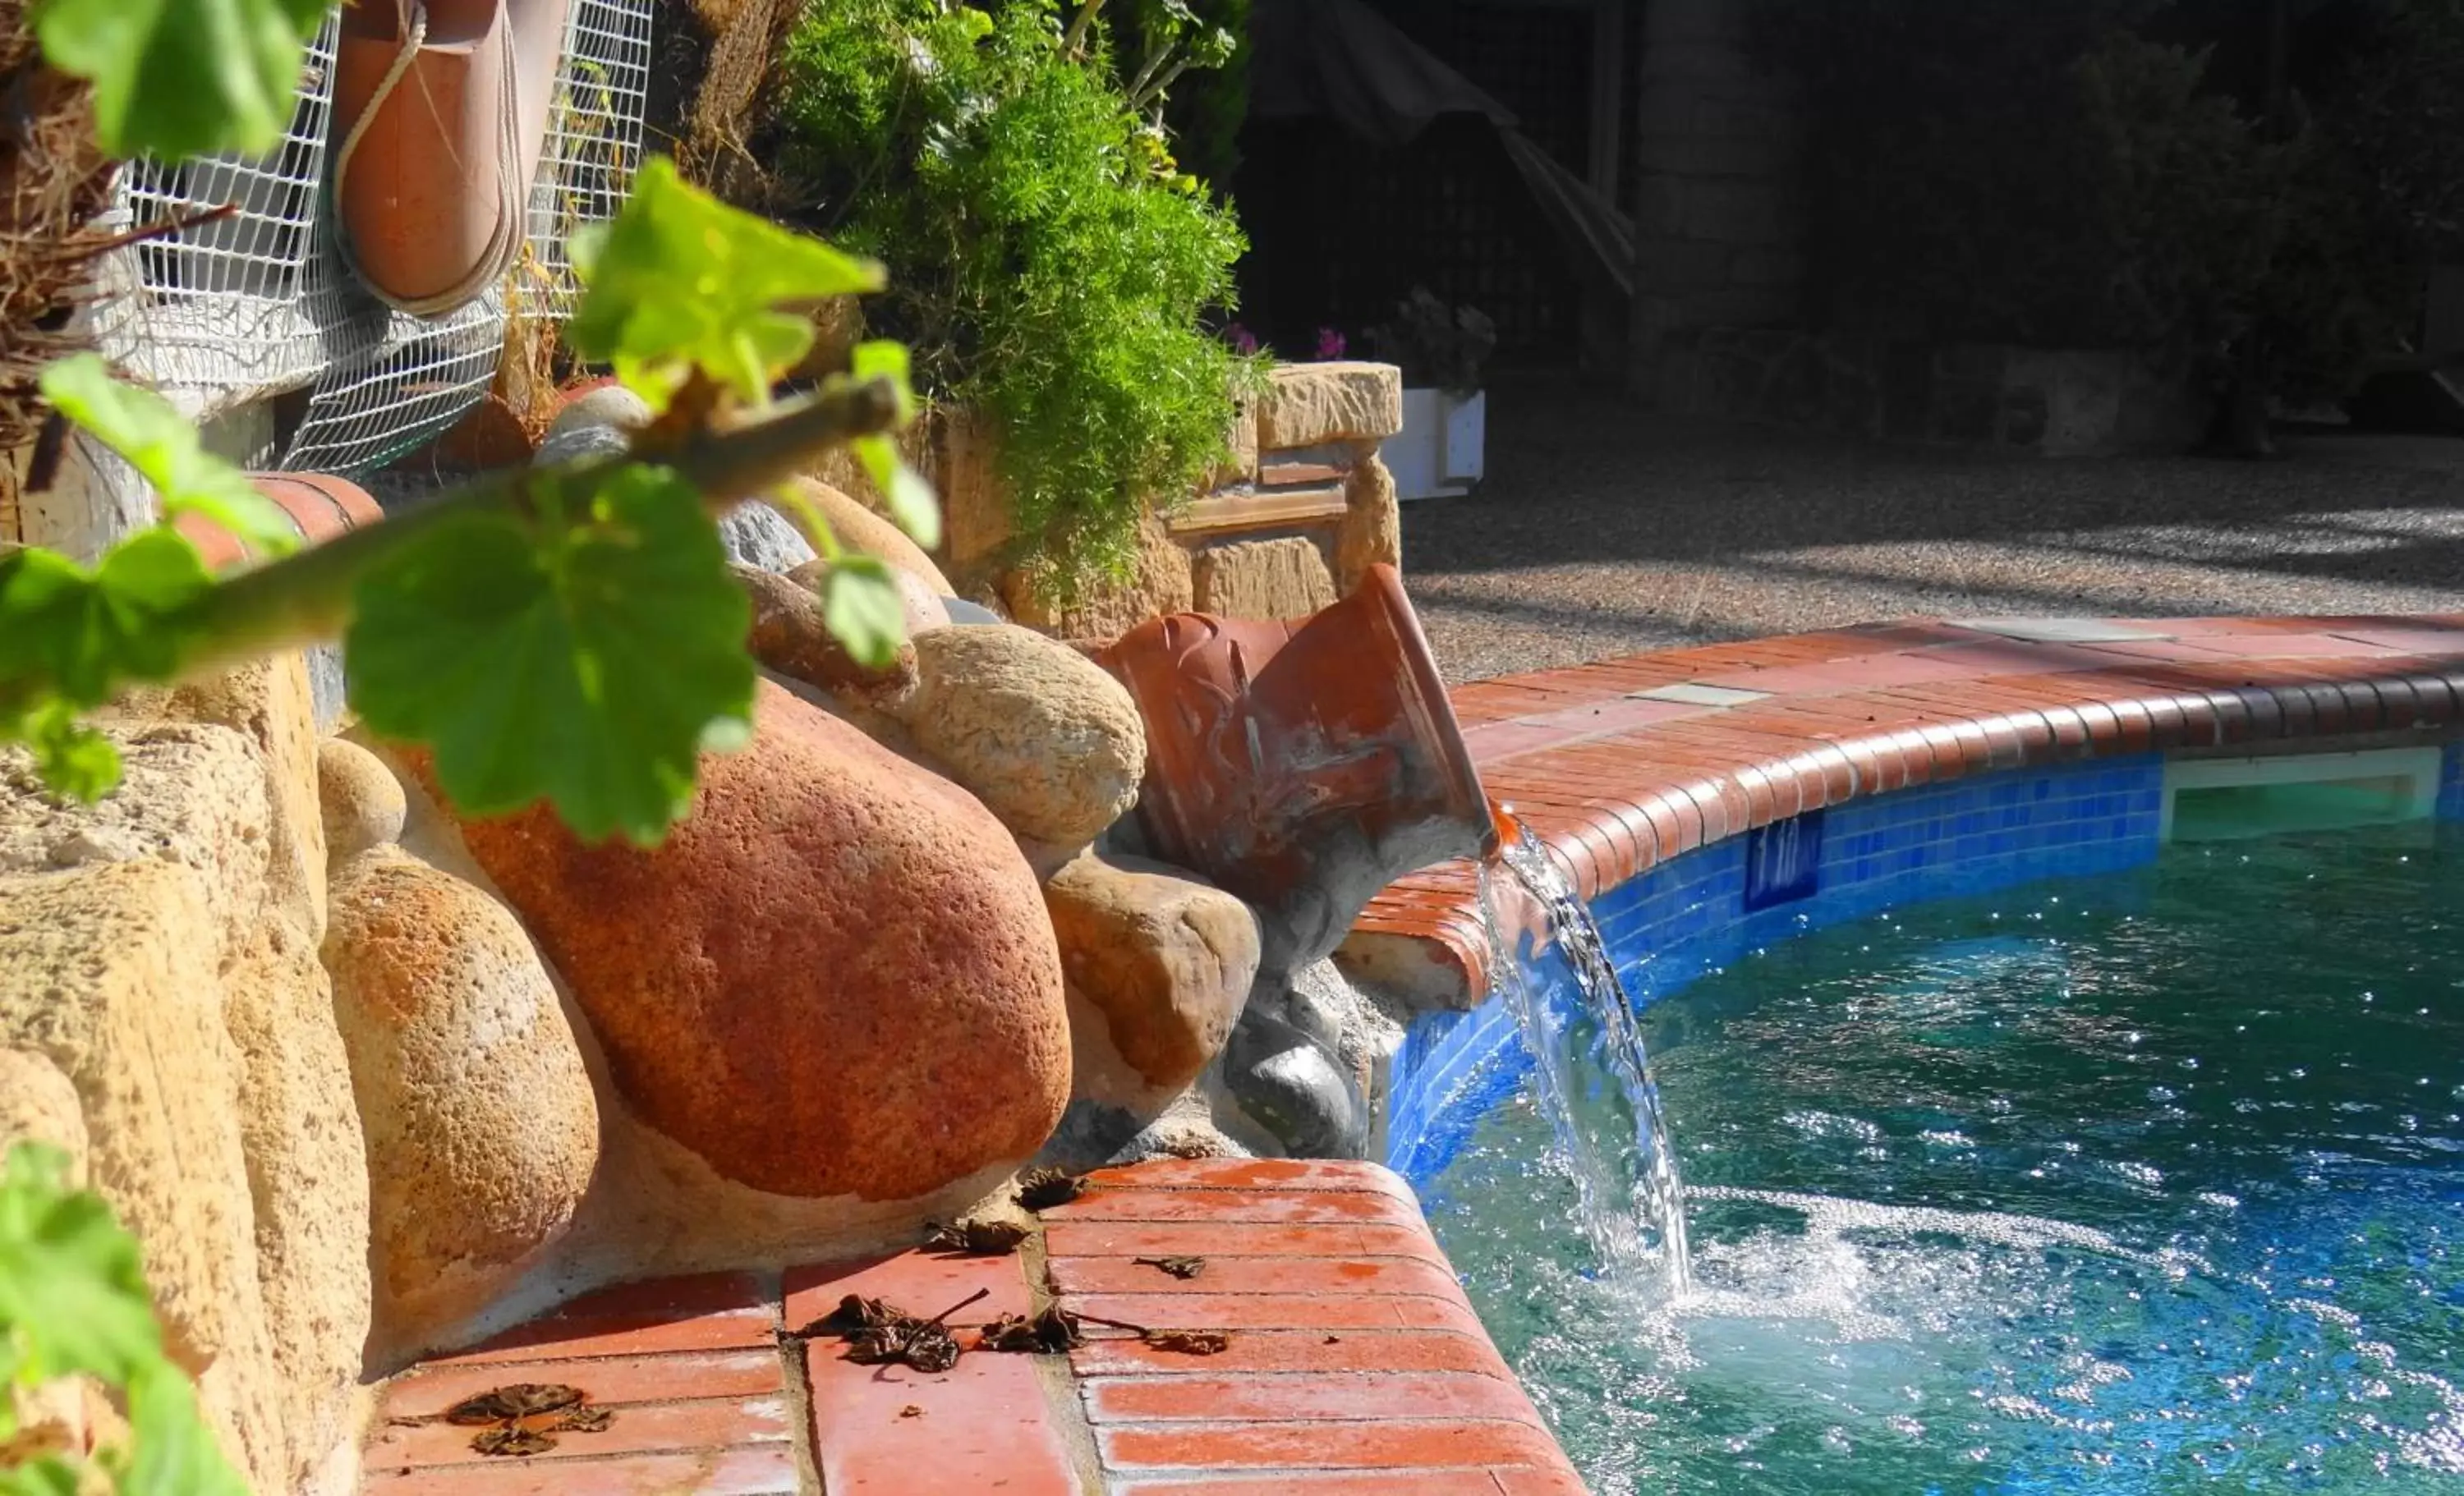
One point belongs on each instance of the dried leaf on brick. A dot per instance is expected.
(1048, 1333)
(512, 1442)
(977, 1238)
(1183, 1267)
(515, 1401)
(855, 1313)
(1042, 1189)
(1189, 1342)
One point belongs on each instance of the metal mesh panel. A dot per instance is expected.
(259, 301)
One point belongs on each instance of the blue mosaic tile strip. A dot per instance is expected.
(1690, 914)
(2450, 784)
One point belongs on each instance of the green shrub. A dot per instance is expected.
(1055, 264)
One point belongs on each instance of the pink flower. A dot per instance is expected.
(1329, 343)
(1244, 341)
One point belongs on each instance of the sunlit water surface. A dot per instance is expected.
(2146, 1184)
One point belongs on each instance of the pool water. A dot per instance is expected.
(2148, 1183)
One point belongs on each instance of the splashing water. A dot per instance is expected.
(1591, 1075)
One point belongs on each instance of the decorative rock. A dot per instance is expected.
(923, 609)
(968, 615)
(1262, 579)
(481, 1127)
(581, 442)
(362, 802)
(1295, 1089)
(1306, 404)
(758, 536)
(860, 530)
(1164, 959)
(791, 636)
(1047, 739)
(609, 407)
(835, 979)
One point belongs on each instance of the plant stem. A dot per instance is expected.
(1073, 43)
(306, 597)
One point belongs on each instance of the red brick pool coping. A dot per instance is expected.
(1620, 765)
(1355, 1365)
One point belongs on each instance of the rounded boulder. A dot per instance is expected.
(1165, 960)
(361, 802)
(835, 977)
(481, 1126)
(1053, 744)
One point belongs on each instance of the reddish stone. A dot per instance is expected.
(836, 978)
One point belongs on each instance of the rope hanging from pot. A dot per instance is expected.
(513, 193)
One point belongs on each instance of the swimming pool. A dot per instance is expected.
(2135, 1179)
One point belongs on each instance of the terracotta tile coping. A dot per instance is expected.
(1354, 1364)
(1617, 771)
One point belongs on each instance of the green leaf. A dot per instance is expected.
(75, 762)
(72, 1294)
(583, 655)
(911, 499)
(162, 445)
(93, 631)
(681, 281)
(882, 359)
(172, 1452)
(174, 78)
(862, 610)
(47, 1476)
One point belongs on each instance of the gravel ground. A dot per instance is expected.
(1602, 531)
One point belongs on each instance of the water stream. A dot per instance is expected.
(1592, 1076)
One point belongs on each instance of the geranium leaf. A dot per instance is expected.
(911, 499)
(174, 78)
(162, 445)
(681, 281)
(92, 631)
(861, 606)
(583, 655)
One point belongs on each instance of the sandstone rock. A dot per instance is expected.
(1159, 583)
(307, 1180)
(270, 703)
(157, 949)
(361, 800)
(835, 979)
(1373, 522)
(1306, 404)
(1166, 961)
(110, 973)
(37, 1104)
(1047, 739)
(757, 535)
(481, 1127)
(1262, 579)
(860, 530)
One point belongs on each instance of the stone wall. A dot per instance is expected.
(2052, 402)
(1296, 516)
(1718, 217)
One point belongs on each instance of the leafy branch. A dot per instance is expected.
(572, 634)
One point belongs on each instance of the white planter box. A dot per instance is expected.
(1441, 449)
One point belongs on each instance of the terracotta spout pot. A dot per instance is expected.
(438, 138)
(1302, 765)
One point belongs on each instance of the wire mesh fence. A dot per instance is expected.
(251, 296)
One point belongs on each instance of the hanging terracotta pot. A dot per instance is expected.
(440, 119)
(1302, 765)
